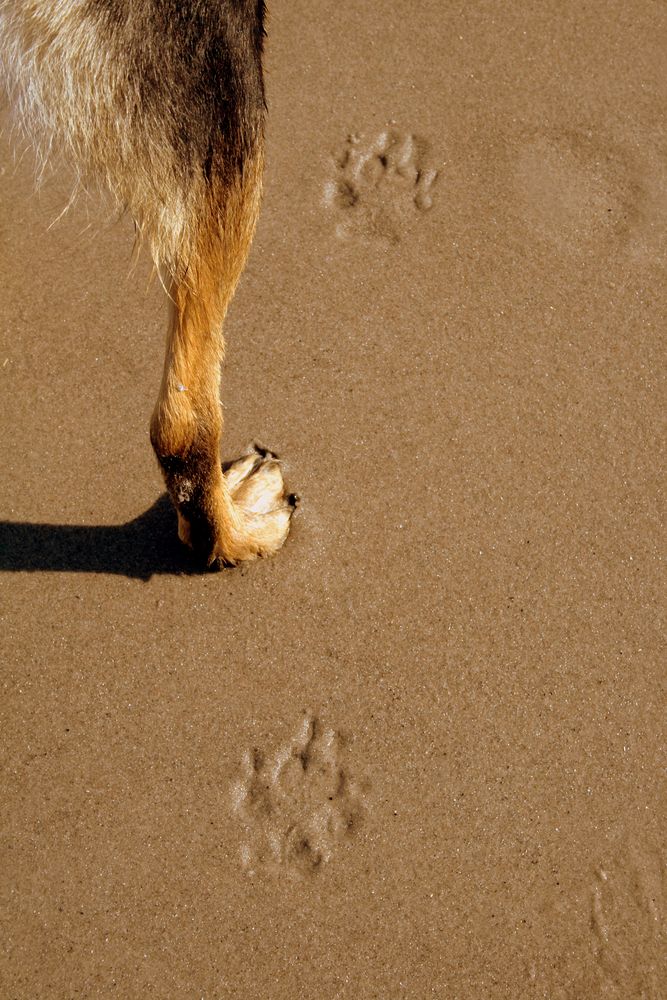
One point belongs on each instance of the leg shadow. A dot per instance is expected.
(140, 549)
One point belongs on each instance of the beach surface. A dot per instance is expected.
(422, 752)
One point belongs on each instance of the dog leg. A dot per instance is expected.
(230, 517)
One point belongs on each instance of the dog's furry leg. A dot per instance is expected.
(236, 517)
(163, 100)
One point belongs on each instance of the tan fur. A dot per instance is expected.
(69, 87)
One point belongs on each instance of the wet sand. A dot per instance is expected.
(423, 751)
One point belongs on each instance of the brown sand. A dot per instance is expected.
(422, 752)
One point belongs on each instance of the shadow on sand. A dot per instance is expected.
(140, 549)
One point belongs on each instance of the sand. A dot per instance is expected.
(423, 751)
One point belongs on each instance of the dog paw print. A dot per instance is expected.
(296, 803)
(629, 923)
(380, 187)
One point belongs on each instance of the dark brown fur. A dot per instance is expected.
(197, 67)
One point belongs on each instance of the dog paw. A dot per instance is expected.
(252, 511)
(257, 489)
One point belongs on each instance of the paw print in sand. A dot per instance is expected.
(296, 803)
(380, 187)
(629, 922)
